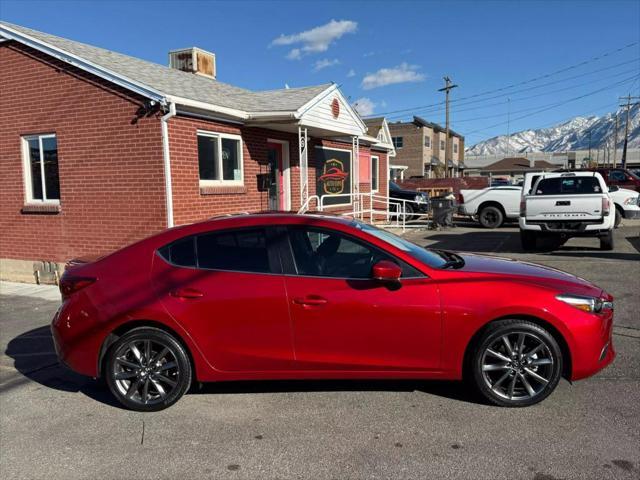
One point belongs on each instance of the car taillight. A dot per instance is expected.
(523, 208)
(606, 206)
(70, 284)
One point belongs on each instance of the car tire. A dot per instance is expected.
(606, 241)
(618, 219)
(530, 367)
(409, 212)
(157, 363)
(491, 217)
(528, 240)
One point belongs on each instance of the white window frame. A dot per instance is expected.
(26, 168)
(443, 145)
(374, 190)
(455, 147)
(427, 141)
(220, 137)
(401, 138)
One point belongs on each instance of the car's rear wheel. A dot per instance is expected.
(147, 369)
(491, 217)
(516, 363)
(606, 241)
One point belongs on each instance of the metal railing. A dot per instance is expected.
(370, 207)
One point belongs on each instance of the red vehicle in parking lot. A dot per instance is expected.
(620, 177)
(283, 296)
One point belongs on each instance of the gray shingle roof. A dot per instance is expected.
(174, 82)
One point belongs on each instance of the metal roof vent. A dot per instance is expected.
(194, 60)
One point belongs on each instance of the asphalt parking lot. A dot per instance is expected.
(55, 424)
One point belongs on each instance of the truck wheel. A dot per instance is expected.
(491, 217)
(528, 240)
(618, 218)
(606, 242)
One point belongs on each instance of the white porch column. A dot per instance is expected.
(355, 173)
(303, 157)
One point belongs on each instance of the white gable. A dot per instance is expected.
(319, 113)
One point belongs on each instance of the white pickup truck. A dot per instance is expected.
(565, 205)
(493, 206)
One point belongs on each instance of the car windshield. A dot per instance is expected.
(635, 174)
(432, 258)
(394, 186)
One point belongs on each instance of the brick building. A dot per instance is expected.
(99, 149)
(420, 147)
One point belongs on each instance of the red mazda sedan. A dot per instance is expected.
(283, 296)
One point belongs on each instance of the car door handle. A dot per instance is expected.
(187, 293)
(312, 300)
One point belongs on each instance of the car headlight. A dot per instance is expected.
(631, 200)
(586, 304)
(419, 198)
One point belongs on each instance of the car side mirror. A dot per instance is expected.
(614, 188)
(386, 271)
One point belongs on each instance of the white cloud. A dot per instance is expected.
(324, 63)
(403, 73)
(352, 73)
(317, 39)
(364, 106)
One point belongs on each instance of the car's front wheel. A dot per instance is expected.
(147, 369)
(516, 363)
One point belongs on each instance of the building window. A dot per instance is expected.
(220, 159)
(427, 142)
(441, 144)
(398, 142)
(455, 148)
(375, 174)
(40, 164)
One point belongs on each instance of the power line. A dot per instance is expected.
(436, 110)
(525, 82)
(527, 98)
(622, 82)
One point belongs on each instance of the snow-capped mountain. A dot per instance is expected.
(570, 135)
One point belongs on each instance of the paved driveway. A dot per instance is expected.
(55, 424)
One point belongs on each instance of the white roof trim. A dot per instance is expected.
(83, 64)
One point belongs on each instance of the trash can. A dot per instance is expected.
(443, 207)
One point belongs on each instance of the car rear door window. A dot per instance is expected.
(236, 250)
(327, 253)
(181, 252)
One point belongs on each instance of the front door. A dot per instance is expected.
(277, 194)
(344, 320)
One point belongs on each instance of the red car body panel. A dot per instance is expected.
(239, 326)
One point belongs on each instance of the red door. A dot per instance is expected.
(357, 323)
(239, 319)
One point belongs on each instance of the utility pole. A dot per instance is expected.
(615, 143)
(508, 127)
(628, 98)
(448, 86)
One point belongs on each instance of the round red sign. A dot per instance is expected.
(335, 108)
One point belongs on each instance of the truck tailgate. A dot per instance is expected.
(564, 207)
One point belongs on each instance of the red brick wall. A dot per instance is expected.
(190, 203)
(111, 177)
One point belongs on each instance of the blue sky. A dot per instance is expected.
(387, 56)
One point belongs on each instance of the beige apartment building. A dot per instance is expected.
(420, 150)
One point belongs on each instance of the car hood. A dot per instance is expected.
(529, 272)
